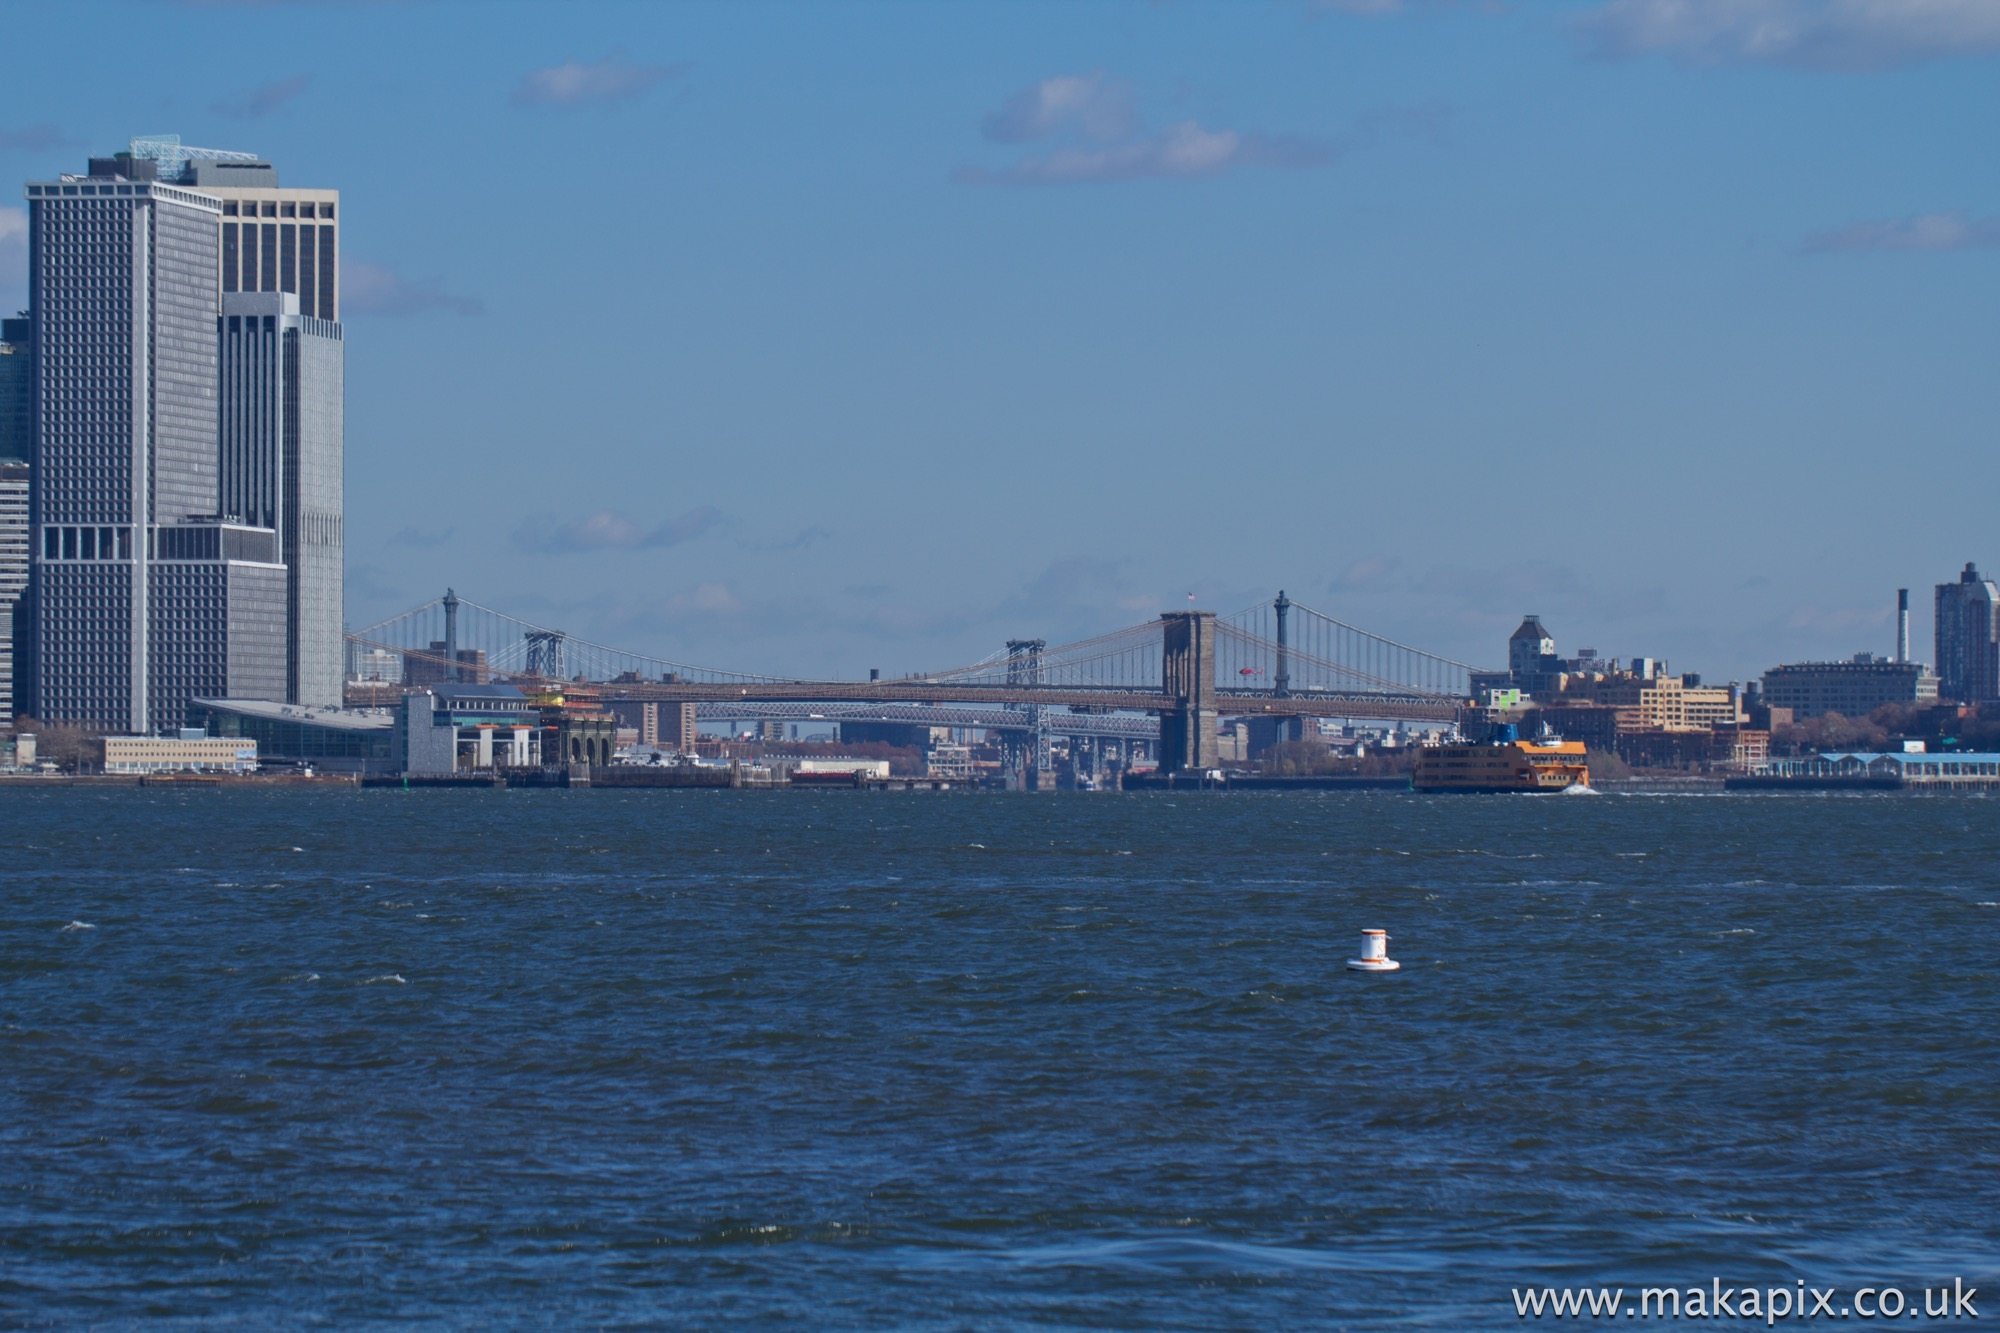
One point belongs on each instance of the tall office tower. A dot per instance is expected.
(13, 571)
(141, 596)
(17, 390)
(1968, 638)
(16, 444)
(282, 468)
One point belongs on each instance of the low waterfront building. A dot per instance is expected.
(334, 740)
(158, 754)
(494, 726)
(949, 761)
(1854, 688)
(576, 726)
(869, 768)
(1913, 769)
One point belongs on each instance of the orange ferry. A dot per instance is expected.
(1507, 764)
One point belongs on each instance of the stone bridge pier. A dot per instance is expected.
(1187, 731)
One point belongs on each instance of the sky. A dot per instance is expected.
(809, 338)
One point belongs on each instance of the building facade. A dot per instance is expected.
(156, 754)
(1667, 703)
(1968, 638)
(282, 467)
(184, 541)
(218, 618)
(1852, 689)
(122, 292)
(17, 390)
(13, 571)
(277, 240)
(333, 740)
(17, 446)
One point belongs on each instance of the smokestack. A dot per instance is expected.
(1902, 624)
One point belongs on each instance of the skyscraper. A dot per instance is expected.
(273, 239)
(282, 398)
(1968, 638)
(13, 571)
(17, 444)
(282, 468)
(17, 398)
(142, 596)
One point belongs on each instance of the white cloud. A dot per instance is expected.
(612, 79)
(1095, 106)
(1180, 150)
(1814, 34)
(1926, 231)
(371, 289)
(713, 598)
(1089, 133)
(608, 529)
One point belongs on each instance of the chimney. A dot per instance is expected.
(1902, 624)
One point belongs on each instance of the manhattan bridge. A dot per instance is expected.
(1278, 659)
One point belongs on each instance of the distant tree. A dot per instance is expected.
(1606, 764)
(1903, 721)
(60, 742)
(1292, 759)
(1831, 731)
(1316, 759)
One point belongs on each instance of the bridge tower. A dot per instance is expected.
(1187, 731)
(1288, 728)
(1035, 762)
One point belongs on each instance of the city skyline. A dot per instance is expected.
(972, 351)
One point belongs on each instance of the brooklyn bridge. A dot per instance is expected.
(1278, 659)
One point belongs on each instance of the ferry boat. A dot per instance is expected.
(1507, 763)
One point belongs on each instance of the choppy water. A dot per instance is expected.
(600, 1059)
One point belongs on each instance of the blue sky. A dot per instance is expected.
(811, 338)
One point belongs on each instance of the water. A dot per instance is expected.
(615, 1060)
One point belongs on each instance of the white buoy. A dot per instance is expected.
(1374, 953)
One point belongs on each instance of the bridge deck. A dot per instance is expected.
(1386, 707)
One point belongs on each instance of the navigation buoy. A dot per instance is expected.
(1374, 953)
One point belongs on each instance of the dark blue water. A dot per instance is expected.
(671, 1059)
